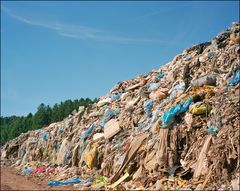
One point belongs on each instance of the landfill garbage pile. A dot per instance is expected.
(175, 128)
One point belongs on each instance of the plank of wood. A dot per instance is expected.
(126, 175)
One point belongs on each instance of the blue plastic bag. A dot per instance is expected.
(180, 87)
(212, 130)
(88, 132)
(45, 136)
(235, 79)
(117, 86)
(160, 75)
(153, 86)
(168, 116)
(27, 171)
(109, 114)
(60, 130)
(147, 105)
(116, 97)
(211, 54)
(187, 57)
(71, 181)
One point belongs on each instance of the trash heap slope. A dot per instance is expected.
(176, 127)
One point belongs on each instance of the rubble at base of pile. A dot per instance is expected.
(175, 128)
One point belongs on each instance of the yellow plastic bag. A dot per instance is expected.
(202, 108)
(91, 155)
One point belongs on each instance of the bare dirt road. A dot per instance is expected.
(11, 179)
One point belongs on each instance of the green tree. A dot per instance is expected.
(13, 126)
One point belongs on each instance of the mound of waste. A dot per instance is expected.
(175, 128)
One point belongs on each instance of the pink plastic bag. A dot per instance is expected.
(40, 169)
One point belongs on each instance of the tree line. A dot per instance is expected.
(13, 126)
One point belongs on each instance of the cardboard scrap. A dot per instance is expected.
(135, 145)
(111, 128)
(98, 136)
(202, 157)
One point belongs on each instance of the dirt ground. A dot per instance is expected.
(11, 179)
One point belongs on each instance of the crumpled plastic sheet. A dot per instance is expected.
(101, 180)
(160, 75)
(39, 130)
(45, 136)
(211, 54)
(71, 181)
(209, 79)
(153, 86)
(23, 151)
(201, 108)
(119, 143)
(40, 169)
(27, 171)
(178, 88)
(168, 116)
(212, 130)
(187, 57)
(65, 159)
(117, 86)
(60, 130)
(154, 117)
(102, 110)
(58, 147)
(235, 79)
(147, 105)
(116, 97)
(109, 114)
(88, 132)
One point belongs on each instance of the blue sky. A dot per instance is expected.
(53, 51)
